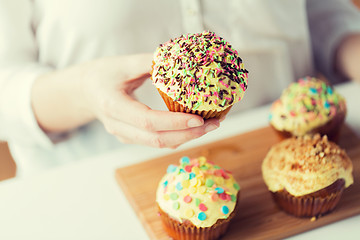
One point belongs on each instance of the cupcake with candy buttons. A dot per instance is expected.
(197, 199)
(200, 74)
(308, 106)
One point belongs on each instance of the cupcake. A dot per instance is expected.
(197, 199)
(308, 106)
(307, 175)
(200, 74)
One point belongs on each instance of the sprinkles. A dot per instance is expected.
(187, 199)
(202, 207)
(197, 189)
(202, 216)
(305, 105)
(224, 209)
(196, 69)
(171, 169)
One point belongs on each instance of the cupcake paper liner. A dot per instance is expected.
(177, 107)
(331, 129)
(188, 231)
(311, 205)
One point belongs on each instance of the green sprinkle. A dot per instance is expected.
(204, 167)
(233, 198)
(209, 182)
(217, 167)
(197, 202)
(236, 186)
(196, 106)
(176, 205)
(174, 196)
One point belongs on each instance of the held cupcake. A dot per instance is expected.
(200, 74)
(308, 106)
(197, 199)
(307, 175)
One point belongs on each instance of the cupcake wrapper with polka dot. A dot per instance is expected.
(176, 107)
(188, 231)
(311, 205)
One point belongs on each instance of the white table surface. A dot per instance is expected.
(83, 201)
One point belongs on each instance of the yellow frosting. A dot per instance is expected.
(200, 71)
(306, 104)
(305, 165)
(198, 191)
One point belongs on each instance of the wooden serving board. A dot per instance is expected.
(258, 216)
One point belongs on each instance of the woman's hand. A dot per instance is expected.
(103, 89)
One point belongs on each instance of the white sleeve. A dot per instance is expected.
(329, 22)
(18, 70)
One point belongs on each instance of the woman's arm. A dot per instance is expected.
(348, 57)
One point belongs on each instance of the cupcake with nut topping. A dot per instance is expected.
(200, 74)
(307, 175)
(308, 106)
(197, 199)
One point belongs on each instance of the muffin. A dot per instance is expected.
(307, 175)
(308, 106)
(197, 199)
(200, 74)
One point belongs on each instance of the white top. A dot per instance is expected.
(44, 35)
(82, 201)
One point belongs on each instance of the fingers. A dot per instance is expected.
(138, 114)
(159, 139)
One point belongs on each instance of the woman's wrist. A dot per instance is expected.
(57, 101)
(348, 57)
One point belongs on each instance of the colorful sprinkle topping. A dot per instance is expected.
(195, 187)
(305, 105)
(199, 71)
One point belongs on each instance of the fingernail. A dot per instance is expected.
(194, 122)
(210, 127)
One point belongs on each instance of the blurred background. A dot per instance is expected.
(8, 166)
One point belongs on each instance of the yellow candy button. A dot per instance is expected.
(193, 182)
(219, 180)
(189, 213)
(185, 183)
(202, 189)
(201, 160)
(195, 170)
(193, 190)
